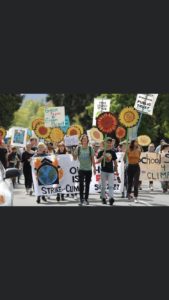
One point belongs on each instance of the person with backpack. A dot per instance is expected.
(85, 154)
(108, 159)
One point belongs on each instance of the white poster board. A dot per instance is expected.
(19, 137)
(100, 105)
(145, 103)
(45, 175)
(54, 116)
(72, 140)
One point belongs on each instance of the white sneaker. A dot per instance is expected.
(136, 201)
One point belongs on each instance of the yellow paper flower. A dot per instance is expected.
(96, 135)
(37, 122)
(56, 135)
(129, 117)
(41, 131)
(79, 127)
(2, 132)
(73, 130)
(144, 140)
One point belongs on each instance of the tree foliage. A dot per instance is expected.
(29, 111)
(9, 103)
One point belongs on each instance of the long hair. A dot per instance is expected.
(84, 135)
(131, 147)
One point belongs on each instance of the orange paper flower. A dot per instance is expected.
(120, 132)
(106, 122)
(96, 135)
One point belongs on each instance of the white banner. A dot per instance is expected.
(19, 137)
(54, 116)
(145, 103)
(46, 170)
(72, 140)
(100, 105)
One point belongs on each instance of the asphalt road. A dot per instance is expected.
(146, 198)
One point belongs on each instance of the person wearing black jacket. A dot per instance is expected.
(27, 170)
(13, 159)
(41, 151)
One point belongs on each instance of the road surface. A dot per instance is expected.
(146, 198)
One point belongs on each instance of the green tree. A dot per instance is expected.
(29, 111)
(9, 103)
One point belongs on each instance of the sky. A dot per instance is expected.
(35, 96)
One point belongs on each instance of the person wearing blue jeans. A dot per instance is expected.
(108, 159)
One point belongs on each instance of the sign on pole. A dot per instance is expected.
(64, 126)
(100, 105)
(54, 116)
(18, 137)
(145, 103)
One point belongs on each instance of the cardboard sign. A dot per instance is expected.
(19, 137)
(100, 105)
(154, 166)
(54, 116)
(145, 103)
(72, 140)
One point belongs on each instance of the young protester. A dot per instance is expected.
(13, 160)
(27, 170)
(3, 154)
(41, 151)
(151, 149)
(164, 150)
(158, 148)
(61, 150)
(133, 168)
(34, 143)
(50, 148)
(108, 161)
(85, 154)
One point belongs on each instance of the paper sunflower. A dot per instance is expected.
(41, 131)
(2, 132)
(106, 122)
(37, 122)
(57, 135)
(73, 130)
(120, 132)
(144, 140)
(79, 127)
(129, 117)
(96, 135)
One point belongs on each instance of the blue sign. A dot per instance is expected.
(67, 124)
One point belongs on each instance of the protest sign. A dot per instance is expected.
(65, 125)
(100, 106)
(19, 137)
(54, 116)
(72, 140)
(145, 103)
(154, 166)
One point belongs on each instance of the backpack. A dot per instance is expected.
(90, 151)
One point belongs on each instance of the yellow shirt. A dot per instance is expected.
(133, 156)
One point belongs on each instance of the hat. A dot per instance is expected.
(41, 144)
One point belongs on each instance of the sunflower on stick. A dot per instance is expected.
(106, 122)
(128, 117)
